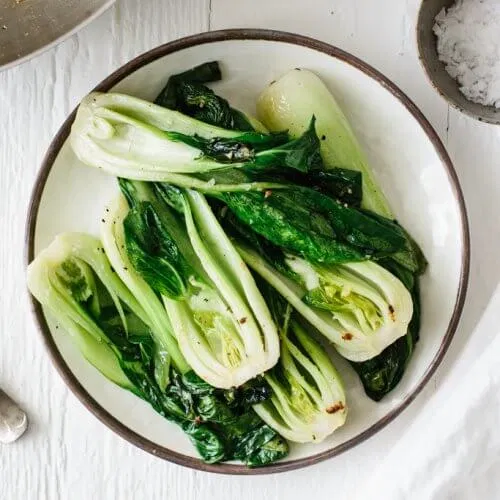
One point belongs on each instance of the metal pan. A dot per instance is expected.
(28, 27)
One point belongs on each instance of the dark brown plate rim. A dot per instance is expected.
(52, 153)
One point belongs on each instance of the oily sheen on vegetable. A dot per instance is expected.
(232, 244)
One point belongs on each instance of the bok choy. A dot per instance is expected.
(74, 280)
(222, 324)
(289, 102)
(308, 401)
(128, 137)
(360, 307)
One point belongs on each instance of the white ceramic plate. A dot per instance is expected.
(29, 27)
(410, 163)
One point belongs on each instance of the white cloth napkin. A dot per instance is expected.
(452, 450)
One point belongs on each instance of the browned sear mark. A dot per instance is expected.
(335, 408)
(347, 336)
(242, 321)
(392, 314)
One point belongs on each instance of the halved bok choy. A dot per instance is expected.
(289, 102)
(222, 324)
(74, 280)
(360, 307)
(135, 139)
(308, 401)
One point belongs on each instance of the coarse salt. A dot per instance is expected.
(468, 42)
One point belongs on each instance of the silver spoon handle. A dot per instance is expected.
(13, 420)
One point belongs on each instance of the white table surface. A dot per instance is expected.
(67, 453)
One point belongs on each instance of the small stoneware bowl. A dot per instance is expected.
(435, 69)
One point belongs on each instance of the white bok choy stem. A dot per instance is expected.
(127, 137)
(236, 286)
(131, 138)
(308, 401)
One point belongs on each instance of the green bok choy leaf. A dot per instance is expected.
(314, 225)
(186, 93)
